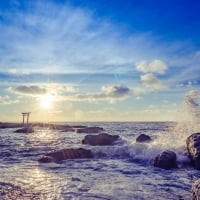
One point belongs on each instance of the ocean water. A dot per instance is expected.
(121, 171)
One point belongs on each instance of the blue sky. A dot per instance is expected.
(98, 60)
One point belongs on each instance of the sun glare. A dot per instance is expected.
(46, 101)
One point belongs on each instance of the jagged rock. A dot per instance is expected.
(64, 154)
(143, 138)
(100, 139)
(166, 160)
(90, 130)
(196, 190)
(193, 146)
(27, 129)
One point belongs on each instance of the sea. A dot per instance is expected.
(122, 171)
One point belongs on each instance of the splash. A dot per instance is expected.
(188, 121)
(174, 138)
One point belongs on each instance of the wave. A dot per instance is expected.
(174, 138)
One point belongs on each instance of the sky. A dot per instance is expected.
(98, 60)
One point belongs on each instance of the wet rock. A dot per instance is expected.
(100, 139)
(26, 129)
(90, 130)
(193, 146)
(143, 138)
(196, 190)
(65, 154)
(10, 125)
(166, 160)
(46, 159)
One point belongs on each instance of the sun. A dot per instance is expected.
(46, 101)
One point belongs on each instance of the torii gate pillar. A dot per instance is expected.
(26, 114)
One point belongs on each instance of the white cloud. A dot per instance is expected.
(12, 71)
(70, 89)
(156, 66)
(150, 81)
(6, 100)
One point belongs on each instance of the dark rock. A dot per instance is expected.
(193, 146)
(196, 190)
(27, 129)
(64, 154)
(10, 125)
(90, 130)
(100, 139)
(46, 159)
(166, 160)
(143, 138)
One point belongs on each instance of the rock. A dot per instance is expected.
(10, 125)
(64, 154)
(46, 159)
(196, 190)
(166, 160)
(26, 129)
(143, 138)
(100, 139)
(90, 130)
(193, 146)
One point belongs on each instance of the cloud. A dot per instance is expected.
(32, 90)
(6, 100)
(54, 37)
(116, 91)
(150, 81)
(156, 66)
(109, 93)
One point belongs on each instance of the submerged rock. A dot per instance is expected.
(196, 190)
(143, 138)
(193, 146)
(166, 160)
(26, 129)
(90, 130)
(64, 154)
(100, 139)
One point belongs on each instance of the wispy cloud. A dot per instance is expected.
(49, 37)
(107, 93)
(32, 90)
(6, 100)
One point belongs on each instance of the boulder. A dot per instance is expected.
(193, 146)
(143, 138)
(166, 160)
(196, 190)
(65, 154)
(100, 139)
(26, 129)
(90, 130)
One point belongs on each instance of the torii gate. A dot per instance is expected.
(26, 114)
